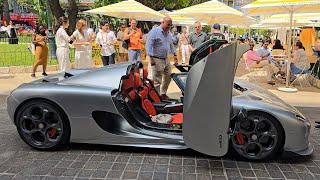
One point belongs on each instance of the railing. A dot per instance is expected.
(4, 39)
(20, 55)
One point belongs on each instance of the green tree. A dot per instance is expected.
(38, 7)
(5, 10)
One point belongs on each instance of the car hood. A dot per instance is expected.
(257, 93)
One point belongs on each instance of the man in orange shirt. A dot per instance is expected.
(134, 35)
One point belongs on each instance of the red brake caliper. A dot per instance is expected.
(52, 133)
(240, 139)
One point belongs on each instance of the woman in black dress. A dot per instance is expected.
(12, 34)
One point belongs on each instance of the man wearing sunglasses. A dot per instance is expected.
(159, 45)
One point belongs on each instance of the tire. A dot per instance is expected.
(42, 125)
(259, 137)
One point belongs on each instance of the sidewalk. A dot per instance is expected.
(306, 97)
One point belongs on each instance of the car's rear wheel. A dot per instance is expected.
(42, 125)
(259, 136)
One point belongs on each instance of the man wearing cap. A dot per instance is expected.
(198, 37)
(216, 33)
(159, 46)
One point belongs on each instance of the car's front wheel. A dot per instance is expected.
(42, 125)
(259, 136)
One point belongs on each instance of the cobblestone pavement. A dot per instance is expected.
(80, 161)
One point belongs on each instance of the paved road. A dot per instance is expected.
(18, 161)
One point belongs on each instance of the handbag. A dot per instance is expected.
(125, 43)
(32, 48)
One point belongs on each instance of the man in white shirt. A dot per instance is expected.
(106, 39)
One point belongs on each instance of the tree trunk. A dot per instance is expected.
(56, 9)
(72, 14)
(6, 13)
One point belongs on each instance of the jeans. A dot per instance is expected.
(295, 70)
(106, 60)
(134, 55)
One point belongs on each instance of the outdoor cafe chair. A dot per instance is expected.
(302, 78)
(278, 54)
(253, 72)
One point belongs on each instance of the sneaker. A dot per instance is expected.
(44, 74)
(33, 75)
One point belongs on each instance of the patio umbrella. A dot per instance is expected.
(214, 12)
(283, 22)
(178, 19)
(297, 16)
(128, 9)
(270, 7)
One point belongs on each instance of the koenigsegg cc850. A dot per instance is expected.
(115, 105)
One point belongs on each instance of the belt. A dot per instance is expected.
(158, 57)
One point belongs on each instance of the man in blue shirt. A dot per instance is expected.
(159, 45)
(264, 51)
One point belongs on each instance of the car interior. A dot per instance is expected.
(140, 98)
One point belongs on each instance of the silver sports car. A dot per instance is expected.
(119, 105)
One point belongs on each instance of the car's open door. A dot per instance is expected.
(207, 100)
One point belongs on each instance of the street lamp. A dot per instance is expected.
(51, 40)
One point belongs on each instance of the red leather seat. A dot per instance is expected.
(177, 118)
(135, 88)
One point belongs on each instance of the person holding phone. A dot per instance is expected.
(106, 39)
(134, 35)
(41, 50)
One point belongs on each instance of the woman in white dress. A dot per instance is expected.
(62, 42)
(82, 43)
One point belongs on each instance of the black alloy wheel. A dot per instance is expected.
(42, 125)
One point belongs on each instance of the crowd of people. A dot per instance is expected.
(10, 32)
(161, 41)
(262, 58)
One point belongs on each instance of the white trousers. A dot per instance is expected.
(63, 58)
(83, 59)
(184, 52)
